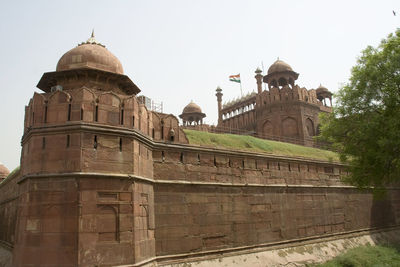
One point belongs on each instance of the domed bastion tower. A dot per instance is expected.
(105, 181)
(285, 112)
(87, 151)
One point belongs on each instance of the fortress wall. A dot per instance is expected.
(243, 168)
(198, 218)
(198, 201)
(8, 209)
(248, 201)
(46, 228)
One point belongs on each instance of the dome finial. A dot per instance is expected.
(92, 40)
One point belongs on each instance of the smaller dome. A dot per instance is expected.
(279, 66)
(321, 89)
(191, 108)
(4, 172)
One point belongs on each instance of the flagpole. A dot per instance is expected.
(262, 64)
(241, 92)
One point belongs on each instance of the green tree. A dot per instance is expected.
(364, 126)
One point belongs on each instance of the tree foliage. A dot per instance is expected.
(364, 126)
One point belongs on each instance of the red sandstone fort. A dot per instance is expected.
(106, 181)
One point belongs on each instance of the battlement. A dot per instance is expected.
(69, 131)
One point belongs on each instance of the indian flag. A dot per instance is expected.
(235, 78)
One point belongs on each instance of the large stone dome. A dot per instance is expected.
(191, 108)
(4, 172)
(279, 66)
(90, 54)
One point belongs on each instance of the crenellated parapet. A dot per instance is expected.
(85, 105)
(69, 110)
(277, 95)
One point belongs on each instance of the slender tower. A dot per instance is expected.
(219, 99)
(259, 80)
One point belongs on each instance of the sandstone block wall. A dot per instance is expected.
(207, 200)
(242, 168)
(46, 227)
(8, 209)
(180, 200)
(196, 218)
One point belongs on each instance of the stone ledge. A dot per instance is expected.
(178, 182)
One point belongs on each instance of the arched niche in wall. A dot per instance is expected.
(310, 127)
(59, 97)
(83, 94)
(268, 129)
(289, 127)
(107, 223)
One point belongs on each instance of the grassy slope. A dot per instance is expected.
(365, 256)
(249, 143)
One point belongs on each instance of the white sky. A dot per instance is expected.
(177, 51)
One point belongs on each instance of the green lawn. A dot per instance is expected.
(365, 256)
(250, 143)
